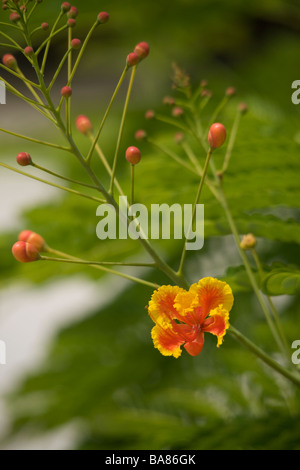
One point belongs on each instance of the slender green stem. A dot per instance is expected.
(69, 190)
(72, 259)
(171, 154)
(183, 255)
(88, 158)
(57, 71)
(231, 141)
(36, 141)
(21, 77)
(81, 52)
(264, 357)
(132, 185)
(51, 36)
(48, 41)
(120, 134)
(101, 263)
(68, 101)
(173, 122)
(11, 40)
(38, 167)
(217, 111)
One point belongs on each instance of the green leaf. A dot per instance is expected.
(282, 280)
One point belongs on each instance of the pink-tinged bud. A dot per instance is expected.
(206, 93)
(44, 26)
(28, 51)
(83, 124)
(10, 61)
(231, 91)
(140, 134)
(243, 107)
(23, 8)
(34, 239)
(169, 100)
(132, 59)
(4, 7)
(25, 252)
(248, 242)
(24, 159)
(103, 17)
(150, 114)
(71, 22)
(14, 17)
(216, 135)
(133, 155)
(203, 83)
(73, 12)
(65, 6)
(177, 111)
(75, 43)
(179, 137)
(66, 92)
(142, 50)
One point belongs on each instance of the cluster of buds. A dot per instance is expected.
(28, 247)
(139, 53)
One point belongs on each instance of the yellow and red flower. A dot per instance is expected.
(182, 317)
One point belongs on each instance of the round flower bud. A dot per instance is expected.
(133, 155)
(28, 51)
(179, 137)
(44, 26)
(132, 59)
(66, 92)
(206, 93)
(24, 159)
(65, 6)
(72, 13)
(243, 108)
(248, 242)
(231, 91)
(34, 239)
(9, 61)
(150, 114)
(142, 50)
(216, 135)
(71, 22)
(103, 17)
(140, 134)
(177, 111)
(75, 43)
(169, 100)
(25, 252)
(14, 17)
(83, 124)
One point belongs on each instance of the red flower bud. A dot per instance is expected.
(133, 155)
(73, 12)
(25, 252)
(83, 124)
(34, 239)
(65, 6)
(142, 50)
(132, 59)
(28, 51)
(103, 17)
(71, 22)
(14, 17)
(75, 43)
(66, 92)
(140, 134)
(216, 135)
(231, 91)
(9, 61)
(24, 159)
(243, 107)
(150, 114)
(177, 111)
(44, 26)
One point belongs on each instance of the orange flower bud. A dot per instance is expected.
(132, 59)
(34, 239)
(133, 155)
(25, 252)
(248, 242)
(142, 50)
(9, 61)
(83, 124)
(216, 135)
(24, 159)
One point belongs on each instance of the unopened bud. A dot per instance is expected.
(25, 252)
(132, 59)
(142, 50)
(34, 239)
(28, 51)
(216, 135)
(44, 26)
(83, 124)
(73, 12)
(179, 137)
(75, 43)
(140, 134)
(248, 242)
(10, 61)
(133, 155)
(150, 114)
(230, 91)
(102, 17)
(71, 22)
(243, 108)
(14, 17)
(65, 6)
(177, 111)
(66, 92)
(24, 159)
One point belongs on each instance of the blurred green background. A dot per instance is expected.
(81, 369)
